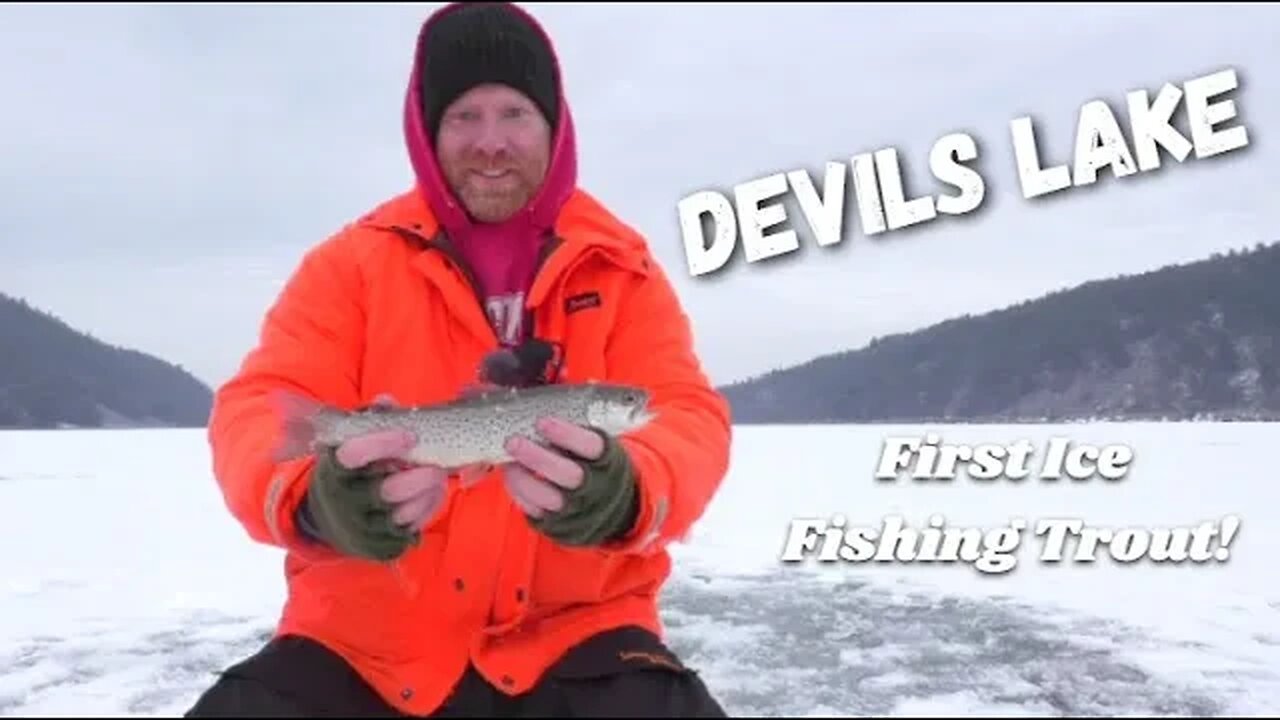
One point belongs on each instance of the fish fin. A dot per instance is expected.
(469, 475)
(476, 390)
(297, 429)
(385, 402)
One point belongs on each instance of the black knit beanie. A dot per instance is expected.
(485, 43)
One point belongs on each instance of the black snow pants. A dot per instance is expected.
(296, 677)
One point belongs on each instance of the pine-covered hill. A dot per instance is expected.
(1199, 340)
(54, 376)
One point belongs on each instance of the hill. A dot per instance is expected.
(1198, 340)
(53, 376)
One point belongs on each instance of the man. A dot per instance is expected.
(530, 590)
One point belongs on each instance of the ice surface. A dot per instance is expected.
(127, 585)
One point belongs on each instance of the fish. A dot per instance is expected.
(467, 434)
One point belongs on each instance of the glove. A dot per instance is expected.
(361, 503)
(343, 508)
(601, 508)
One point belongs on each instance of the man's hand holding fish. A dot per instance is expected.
(581, 491)
(364, 502)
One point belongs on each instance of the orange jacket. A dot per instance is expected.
(376, 309)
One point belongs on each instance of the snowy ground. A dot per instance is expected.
(126, 585)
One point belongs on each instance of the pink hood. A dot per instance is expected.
(539, 216)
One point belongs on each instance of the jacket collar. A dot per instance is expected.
(584, 226)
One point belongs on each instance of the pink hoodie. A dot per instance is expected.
(503, 258)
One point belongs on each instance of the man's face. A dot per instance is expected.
(494, 147)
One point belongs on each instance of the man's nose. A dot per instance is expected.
(490, 138)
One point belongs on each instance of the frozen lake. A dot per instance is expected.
(128, 585)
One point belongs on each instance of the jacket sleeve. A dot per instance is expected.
(682, 455)
(310, 344)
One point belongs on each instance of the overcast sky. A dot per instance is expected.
(165, 166)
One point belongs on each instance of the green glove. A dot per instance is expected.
(603, 508)
(343, 509)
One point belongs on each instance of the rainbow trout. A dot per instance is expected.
(470, 431)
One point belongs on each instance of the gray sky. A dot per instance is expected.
(165, 167)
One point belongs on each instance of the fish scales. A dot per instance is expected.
(474, 429)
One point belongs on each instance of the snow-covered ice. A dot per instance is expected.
(127, 586)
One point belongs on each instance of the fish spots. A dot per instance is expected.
(474, 429)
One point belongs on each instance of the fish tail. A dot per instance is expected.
(477, 390)
(471, 474)
(297, 415)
